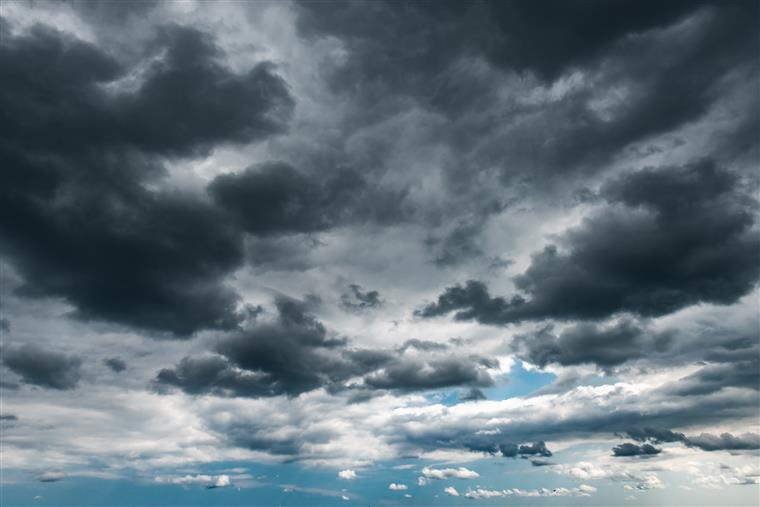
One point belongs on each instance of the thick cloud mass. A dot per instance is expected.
(522, 234)
(704, 441)
(589, 343)
(295, 354)
(78, 149)
(669, 238)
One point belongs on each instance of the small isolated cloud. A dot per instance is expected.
(208, 481)
(451, 491)
(51, 476)
(449, 473)
(397, 487)
(116, 364)
(347, 475)
(345, 498)
(407, 495)
(629, 449)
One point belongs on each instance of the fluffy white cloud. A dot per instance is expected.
(451, 490)
(397, 487)
(347, 475)
(209, 481)
(589, 471)
(449, 473)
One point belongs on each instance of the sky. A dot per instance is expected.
(329, 253)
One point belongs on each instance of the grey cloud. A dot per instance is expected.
(356, 299)
(589, 343)
(51, 476)
(711, 378)
(43, 368)
(275, 198)
(473, 394)
(688, 238)
(432, 374)
(79, 220)
(423, 345)
(116, 364)
(629, 449)
(534, 449)
(296, 353)
(704, 441)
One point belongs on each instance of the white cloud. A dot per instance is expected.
(480, 493)
(448, 473)
(209, 481)
(588, 471)
(451, 490)
(347, 475)
(397, 487)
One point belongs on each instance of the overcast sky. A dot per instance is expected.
(380, 252)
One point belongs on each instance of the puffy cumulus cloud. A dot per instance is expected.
(347, 475)
(451, 491)
(725, 475)
(43, 368)
(632, 479)
(449, 473)
(481, 493)
(397, 487)
(207, 481)
(295, 354)
(689, 239)
(81, 217)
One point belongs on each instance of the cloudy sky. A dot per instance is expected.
(397, 253)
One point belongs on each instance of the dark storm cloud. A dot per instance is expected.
(544, 39)
(668, 81)
(534, 449)
(8, 417)
(669, 238)
(80, 148)
(357, 299)
(704, 441)
(43, 368)
(434, 373)
(116, 364)
(589, 343)
(629, 449)
(274, 198)
(296, 354)
(725, 442)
